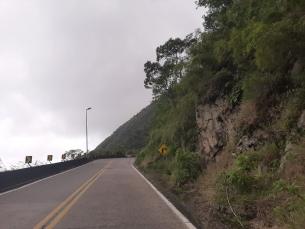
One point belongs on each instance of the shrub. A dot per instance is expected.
(270, 156)
(188, 167)
(244, 183)
(140, 158)
(258, 85)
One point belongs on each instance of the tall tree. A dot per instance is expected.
(215, 17)
(163, 75)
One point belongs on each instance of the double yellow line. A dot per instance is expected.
(56, 215)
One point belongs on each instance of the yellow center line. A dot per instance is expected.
(59, 217)
(85, 187)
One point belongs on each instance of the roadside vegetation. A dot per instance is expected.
(251, 55)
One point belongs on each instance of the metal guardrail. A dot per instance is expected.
(16, 178)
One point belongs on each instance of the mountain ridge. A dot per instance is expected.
(131, 135)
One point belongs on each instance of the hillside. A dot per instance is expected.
(131, 135)
(231, 109)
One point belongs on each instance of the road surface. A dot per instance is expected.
(105, 193)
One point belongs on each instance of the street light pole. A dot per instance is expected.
(87, 128)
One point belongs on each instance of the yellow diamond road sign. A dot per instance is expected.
(50, 157)
(28, 159)
(63, 156)
(163, 149)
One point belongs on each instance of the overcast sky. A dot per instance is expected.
(58, 58)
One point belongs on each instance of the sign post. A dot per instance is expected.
(28, 160)
(50, 157)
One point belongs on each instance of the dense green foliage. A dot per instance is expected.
(131, 135)
(248, 52)
(179, 167)
(252, 54)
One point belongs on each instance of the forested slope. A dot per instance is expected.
(230, 104)
(131, 135)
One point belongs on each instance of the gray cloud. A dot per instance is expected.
(59, 57)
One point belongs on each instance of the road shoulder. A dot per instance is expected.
(179, 209)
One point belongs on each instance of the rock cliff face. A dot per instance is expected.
(215, 122)
(216, 125)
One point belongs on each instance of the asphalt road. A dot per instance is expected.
(106, 193)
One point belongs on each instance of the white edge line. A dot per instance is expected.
(42, 180)
(175, 210)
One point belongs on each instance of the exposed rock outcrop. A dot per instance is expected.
(245, 144)
(215, 122)
(301, 122)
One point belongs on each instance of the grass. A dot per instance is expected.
(263, 195)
